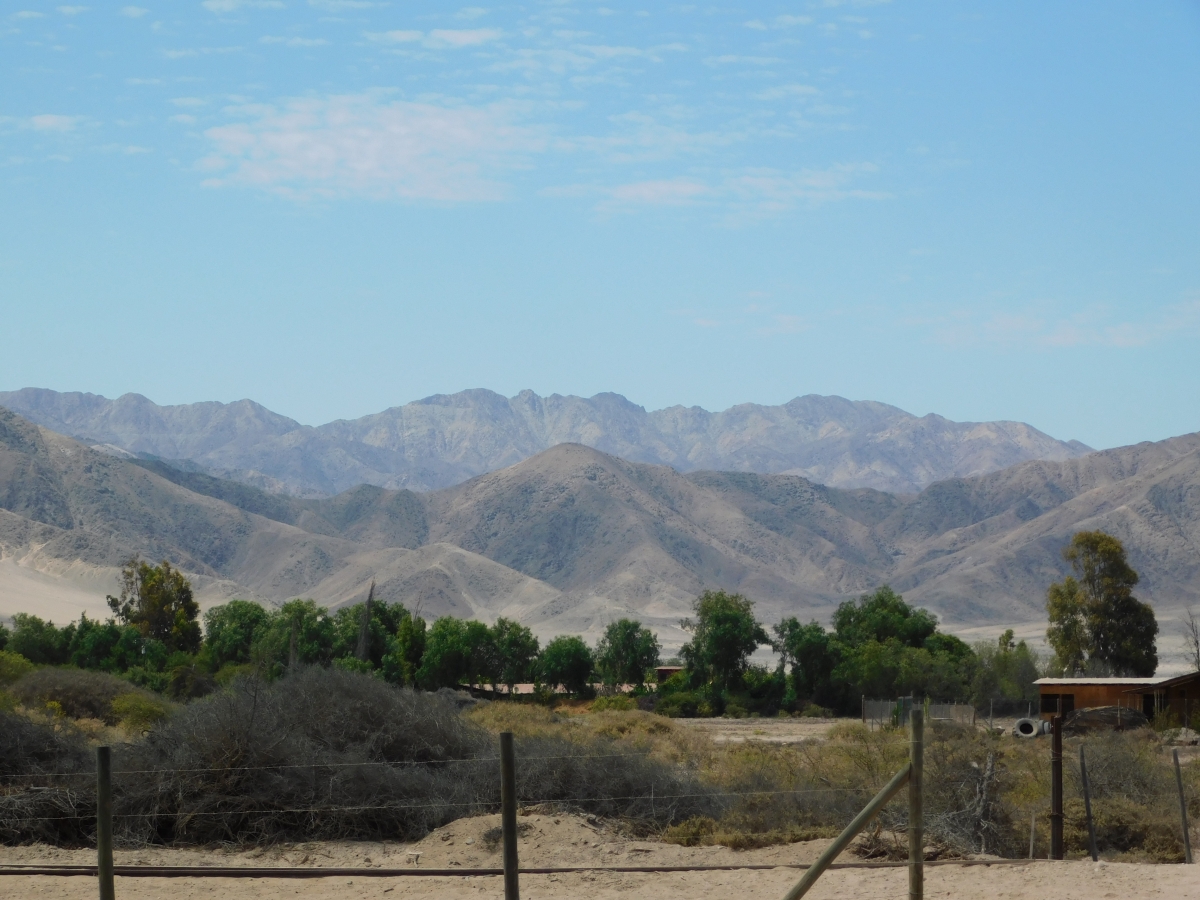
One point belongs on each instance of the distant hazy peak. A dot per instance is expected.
(445, 439)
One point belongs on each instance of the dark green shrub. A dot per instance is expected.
(80, 694)
(13, 666)
(683, 705)
(40, 642)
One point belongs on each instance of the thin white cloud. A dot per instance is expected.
(748, 194)
(395, 37)
(787, 90)
(1090, 328)
(220, 6)
(439, 38)
(728, 59)
(293, 41)
(669, 192)
(340, 5)
(134, 12)
(28, 14)
(49, 122)
(778, 22)
(463, 37)
(358, 145)
(188, 52)
(471, 12)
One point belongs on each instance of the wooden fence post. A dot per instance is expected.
(1056, 795)
(1032, 832)
(1183, 818)
(1087, 805)
(890, 790)
(508, 815)
(916, 808)
(104, 848)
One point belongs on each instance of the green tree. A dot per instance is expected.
(807, 651)
(569, 662)
(230, 630)
(516, 652)
(626, 652)
(885, 648)
(40, 642)
(157, 600)
(724, 634)
(482, 655)
(1097, 612)
(445, 661)
(1006, 672)
(406, 651)
(881, 616)
(298, 633)
(106, 646)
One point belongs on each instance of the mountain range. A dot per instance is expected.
(447, 439)
(573, 537)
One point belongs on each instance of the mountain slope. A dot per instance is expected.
(65, 506)
(573, 537)
(446, 439)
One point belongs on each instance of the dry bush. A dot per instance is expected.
(320, 754)
(630, 765)
(80, 694)
(635, 731)
(46, 781)
(325, 754)
(1134, 801)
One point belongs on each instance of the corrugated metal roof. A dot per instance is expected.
(1129, 681)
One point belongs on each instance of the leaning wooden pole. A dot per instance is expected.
(1183, 817)
(916, 808)
(1087, 805)
(890, 790)
(508, 815)
(1056, 792)
(104, 835)
(363, 649)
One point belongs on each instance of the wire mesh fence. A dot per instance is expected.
(896, 713)
(335, 756)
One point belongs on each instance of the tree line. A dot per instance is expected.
(878, 646)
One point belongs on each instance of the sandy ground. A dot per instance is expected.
(1038, 881)
(544, 840)
(548, 840)
(770, 731)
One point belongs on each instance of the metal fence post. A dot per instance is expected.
(1087, 805)
(1056, 796)
(1187, 838)
(916, 808)
(104, 849)
(508, 815)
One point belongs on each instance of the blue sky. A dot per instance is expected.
(977, 209)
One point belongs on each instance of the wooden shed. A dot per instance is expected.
(1179, 694)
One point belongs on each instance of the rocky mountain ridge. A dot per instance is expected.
(445, 440)
(573, 537)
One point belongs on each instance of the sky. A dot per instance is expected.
(981, 210)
